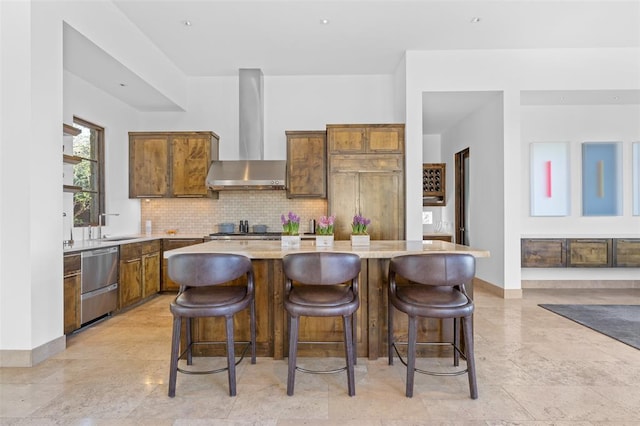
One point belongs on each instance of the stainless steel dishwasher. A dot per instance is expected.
(99, 294)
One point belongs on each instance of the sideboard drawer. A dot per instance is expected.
(626, 252)
(590, 253)
(543, 253)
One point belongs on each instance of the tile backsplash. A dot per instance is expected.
(202, 216)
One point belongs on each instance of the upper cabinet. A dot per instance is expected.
(306, 164)
(365, 139)
(170, 164)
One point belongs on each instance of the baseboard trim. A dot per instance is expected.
(505, 293)
(608, 284)
(29, 358)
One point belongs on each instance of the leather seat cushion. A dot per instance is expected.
(431, 296)
(199, 297)
(321, 295)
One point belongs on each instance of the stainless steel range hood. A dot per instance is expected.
(251, 171)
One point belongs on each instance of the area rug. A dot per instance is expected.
(621, 322)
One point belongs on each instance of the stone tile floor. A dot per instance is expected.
(534, 368)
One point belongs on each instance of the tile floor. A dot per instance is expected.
(534, 368)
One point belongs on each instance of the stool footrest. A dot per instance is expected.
(247, 345)
(335, 370)
(432, 373)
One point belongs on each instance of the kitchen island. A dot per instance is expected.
(320, 336)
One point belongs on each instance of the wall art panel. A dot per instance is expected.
(601, 179)
(550, 179)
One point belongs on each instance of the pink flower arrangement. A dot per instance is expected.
(325, 225)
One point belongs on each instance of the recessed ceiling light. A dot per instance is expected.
(123, 84)
(324, 21)
(187, 23)
(475, 20)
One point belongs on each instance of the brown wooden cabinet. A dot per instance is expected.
(543, 253)
(591, 253)
(366, 176)
(170, 164)
(169, 244)
(365, 138)
(139, 272)
(626, 252)
(71, 281)
(434, 189)
(306, 164)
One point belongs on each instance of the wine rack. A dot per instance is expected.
(433, 184)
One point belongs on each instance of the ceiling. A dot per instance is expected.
(361, 37)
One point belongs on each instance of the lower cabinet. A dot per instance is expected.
(170, 244)
(139, 272)
(71, 280)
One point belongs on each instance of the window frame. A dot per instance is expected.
(98, 175)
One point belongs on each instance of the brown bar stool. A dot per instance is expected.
(201, 295)
(322, 284)
(436, 289)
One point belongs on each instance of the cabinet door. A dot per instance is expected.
(385, 138)
(589, 253)
(191, 156)
(130, 282)
(150, 274)
(170, 244)
(543, 253)
(627, 252)
(382, 201)
(346, 139)
(306, 163)
(71, 302)
(343, 201)
(148, 166)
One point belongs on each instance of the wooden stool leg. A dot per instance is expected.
(471, 363)
(411, 354)
(293, 351)
(231, 359)
(348, 348)
(175, 348)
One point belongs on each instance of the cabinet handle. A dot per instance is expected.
(73, 274)
(132, 260)
(149, 196)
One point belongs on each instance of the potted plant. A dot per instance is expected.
(290, 230)
(324, 231)
(359, 235)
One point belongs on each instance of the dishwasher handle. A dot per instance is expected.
(99, 252)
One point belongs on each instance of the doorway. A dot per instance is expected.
(461, 183)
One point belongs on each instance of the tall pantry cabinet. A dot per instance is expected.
(366, 176)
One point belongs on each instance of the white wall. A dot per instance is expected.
(481, 132)
(576, 124)
(89, 103)
(290, 103)
(508, 71)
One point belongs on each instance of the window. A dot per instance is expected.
(88, 173)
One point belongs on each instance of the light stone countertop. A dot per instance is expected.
(381, 249)
(123, 239)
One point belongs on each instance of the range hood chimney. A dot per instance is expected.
(251, 171)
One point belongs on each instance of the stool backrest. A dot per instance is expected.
(442, 269)
(324, 268)
(204, 269)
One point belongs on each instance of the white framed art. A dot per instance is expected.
(550, 182)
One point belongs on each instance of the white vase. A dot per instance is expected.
(290, 241)
(360, 240)
(324, 240)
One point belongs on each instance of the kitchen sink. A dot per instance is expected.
(119, 238)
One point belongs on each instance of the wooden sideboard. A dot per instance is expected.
(580, 252)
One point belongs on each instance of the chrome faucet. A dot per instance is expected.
(100, 224)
